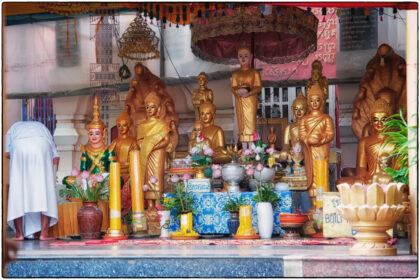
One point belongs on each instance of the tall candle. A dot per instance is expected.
(115, 197)
(187, 222)
(137, 195)
(321, 179)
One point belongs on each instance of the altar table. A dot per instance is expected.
(211, 219)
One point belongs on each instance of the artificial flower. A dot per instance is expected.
(250, 171)
(85, 174)
(75, 172)
(217, 173)
(153, 179)
(208, 152)
(145, 188)
(186, 176)
(195, 150)
(174, 178)
(259, 167)
(256, 137)
(216, 167)
(99, 178)
(257, 157)
(248, 152)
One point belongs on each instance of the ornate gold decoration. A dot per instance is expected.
(138, 42)
(96, 122)
(371, 210)
(66, 8)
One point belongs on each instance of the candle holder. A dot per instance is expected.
(115, 234)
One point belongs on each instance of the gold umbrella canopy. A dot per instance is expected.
(286, 34)
(138, 42)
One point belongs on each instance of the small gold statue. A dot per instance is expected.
(316, 131)
(202, 94)
(153, 138)
(197, 137)
(381, 177)
(317, 78)
(272, 138)
(371, 147)
(246, 85)
(213, 133)
(291, 132)
(124, 142)
(385, 69)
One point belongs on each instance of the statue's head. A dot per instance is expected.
(138, 68)
(244, 55)
(124, 123)
(96, 128)
(202, 79)
(315, 98)
(388, 95)
(152, 104)
(197, 130)
(207, 112)
(299, 106)
(384, 161)
(384, 50)
(379, 112)
(316, 72)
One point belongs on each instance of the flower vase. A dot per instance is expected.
(265, 219)
(233, 222)
(165, 217)
(89, 219)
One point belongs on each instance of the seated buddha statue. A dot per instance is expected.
(214, 133)
(197, 137)
(381, 177)
(202, 94)
(96, 156)
(371, 147)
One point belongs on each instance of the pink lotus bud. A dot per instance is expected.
(85, 174)
(153, 179)
(75, 172)
(208, 152)
(256, 137)
(145, 188)
(99, 178)
(202, 137)
(216, 167)
(259, 167)
(217, 173)
(186, 176)
(174, 178)
(250, 171)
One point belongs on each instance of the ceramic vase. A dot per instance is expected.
(89, 219)
(265, 219)
(233, 222)
(165, 217)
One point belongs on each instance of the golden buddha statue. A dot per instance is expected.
(388, 95)
(96, 156)
(124, 142)
(153, 138)
(316, 131)
(317, 78)
(213, 133)
(381, 177)
(272, 138)
(291, 132)
(202, 94)
(143, 83)
(246, 85)
(371, 147)
(197, 137)
(385, 69)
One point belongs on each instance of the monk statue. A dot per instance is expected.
(124, 144)
(213, 133)
(385, 69)
(388, 95)
(272, 138)
(197, 138)
(381, 177)
(141, 85)
(153, 138)
(317, 78)
(202, 94)
(96, 156)
(316, 131)
(246, 85)
(371, 147)
(291, 132)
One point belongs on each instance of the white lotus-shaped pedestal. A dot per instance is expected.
(371, 210)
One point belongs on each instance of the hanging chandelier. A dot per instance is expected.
(138, 42)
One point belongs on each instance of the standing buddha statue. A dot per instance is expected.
(291, 132)
(201, 95)
(246, 85)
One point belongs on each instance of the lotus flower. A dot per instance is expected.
(248, 152)
(145, 188)
(195, 150)
(186, 176)
(98, 178)
(85, 174)
(153, 179)
(250, 171)
(256, 137)
(259, 167)
(216, 167)
(208, 152)
(174, 178)
(270, 150)
(75, 172)
(217, 173)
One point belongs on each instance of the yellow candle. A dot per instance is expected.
(187, 223)
(137, 195)
(321, 179)
(245, 221)
(271, 161)
(115, 197)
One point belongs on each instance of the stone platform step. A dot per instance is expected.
(39, 259)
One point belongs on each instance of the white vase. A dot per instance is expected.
(265, 219)
(164, 223)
